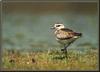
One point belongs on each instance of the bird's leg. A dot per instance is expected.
(65, 48)
(65, 52)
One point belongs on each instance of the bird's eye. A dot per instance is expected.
(57, 25)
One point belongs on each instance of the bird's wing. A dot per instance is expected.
(65, 34)
(71, 32)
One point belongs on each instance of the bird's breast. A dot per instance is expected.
(62, 34)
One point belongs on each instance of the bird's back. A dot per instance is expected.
(66, 35)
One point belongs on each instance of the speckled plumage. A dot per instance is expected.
(65, 36)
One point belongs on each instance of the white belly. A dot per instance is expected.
(64, 42)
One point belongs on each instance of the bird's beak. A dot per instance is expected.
(52, 28)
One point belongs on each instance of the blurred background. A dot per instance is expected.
(26, 25)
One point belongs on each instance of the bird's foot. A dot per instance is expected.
(62, 49)
(64, 52)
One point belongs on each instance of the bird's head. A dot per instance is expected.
(57, 26)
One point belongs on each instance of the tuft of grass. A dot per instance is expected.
(51, 60)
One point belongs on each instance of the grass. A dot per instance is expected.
(51, 60)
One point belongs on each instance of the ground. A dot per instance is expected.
(50, 60)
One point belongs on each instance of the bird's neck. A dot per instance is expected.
(56, 31)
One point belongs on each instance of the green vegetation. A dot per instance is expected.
(50, 60)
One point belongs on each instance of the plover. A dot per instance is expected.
(65, 36)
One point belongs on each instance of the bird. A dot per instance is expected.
(65, 36)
